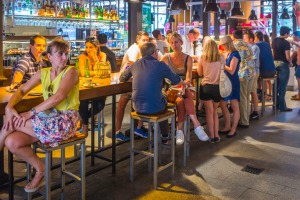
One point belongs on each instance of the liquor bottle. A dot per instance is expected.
(19, 5)
(100, 17)
(42, 9)
(47, 8)
(95, 12)
(29, 6)
(24, 5)
(87, 69)
(87, 11)
(52, 9)
(104, 14)
(68, 11)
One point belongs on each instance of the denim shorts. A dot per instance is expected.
(297, 71)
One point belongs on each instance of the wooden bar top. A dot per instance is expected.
(100, 88)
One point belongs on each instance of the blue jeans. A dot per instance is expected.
(283, 74)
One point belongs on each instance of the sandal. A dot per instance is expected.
(295, 98)
(30, 187)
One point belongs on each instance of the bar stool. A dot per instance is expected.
(152, 119)
(78, 138)
(187, 133)
(274, 94)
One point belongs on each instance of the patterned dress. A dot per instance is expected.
(62, 125)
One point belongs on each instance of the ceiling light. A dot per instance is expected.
(223, 15)
(196, 16)
(285, 14)
(252, 15)
(236, 10)
(212, 6)
(178, 5)
(171, 19)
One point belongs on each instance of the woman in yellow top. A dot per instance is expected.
(60, 90)
(93, 55)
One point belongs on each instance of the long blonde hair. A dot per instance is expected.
(210, 51)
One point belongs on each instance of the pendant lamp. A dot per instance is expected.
(252, 15)
(171, 19)
(196, 16)
(178, 5)
(285, 14)
(212, 6)
(236, 10)
(223, 15)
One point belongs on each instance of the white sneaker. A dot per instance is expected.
(199, 131)
(179, 137)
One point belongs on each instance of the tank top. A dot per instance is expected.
(72, 100)
(180, 71)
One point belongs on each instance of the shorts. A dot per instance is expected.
(254, 86)
(210, 92)
(297, 71)
(53, 130)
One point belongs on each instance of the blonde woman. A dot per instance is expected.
(92, 54)
(209, 67)
(181, 64)
(231, 68)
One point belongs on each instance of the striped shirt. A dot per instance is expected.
(28, 66)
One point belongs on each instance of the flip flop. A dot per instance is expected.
(295, 98)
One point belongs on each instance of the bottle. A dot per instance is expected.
(87, 69)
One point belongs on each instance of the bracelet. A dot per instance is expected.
(33, 111)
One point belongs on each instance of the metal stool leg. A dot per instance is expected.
(263, 97)
(173, 145)
(155, 160)
(82, 169)
(149, 145)
(48, 174)
(62, 174)
(131, 148)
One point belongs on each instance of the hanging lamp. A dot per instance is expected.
(171, 19)
(285, 14)
(252, 15)
(178, 5)
(236, 10)
(196, 16)
(212, 6)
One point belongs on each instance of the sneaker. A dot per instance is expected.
(254, 116)
(199, 131)
(120, 137)
(211, 140)
(141, 132)
(179, 137)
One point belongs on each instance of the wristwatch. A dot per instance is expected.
(33, 111)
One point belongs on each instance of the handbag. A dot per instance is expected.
(225, 86)
(171, 95)
(50, 113)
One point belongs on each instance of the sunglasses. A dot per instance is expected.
(50, 90)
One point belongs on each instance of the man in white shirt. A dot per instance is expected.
(188, 46)
(161, 45)
(132, 54)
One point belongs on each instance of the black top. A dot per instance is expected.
(110, 57)
(280, 45)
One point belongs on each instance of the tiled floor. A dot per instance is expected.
(213, 171)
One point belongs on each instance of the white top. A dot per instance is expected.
(161, 45)
(132, 54)
(187, 46)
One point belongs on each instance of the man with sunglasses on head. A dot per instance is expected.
(30, 63)
(188, 43)
(132, 54)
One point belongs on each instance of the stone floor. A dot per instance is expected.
(213, 171)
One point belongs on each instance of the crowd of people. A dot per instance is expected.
(245, 57)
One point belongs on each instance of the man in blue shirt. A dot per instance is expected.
(148, 77)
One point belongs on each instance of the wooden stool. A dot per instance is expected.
(78, 138)
(274, 94)
(155, 119)
(186, 131)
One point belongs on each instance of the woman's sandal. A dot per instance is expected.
(30, 188)
(295, 98)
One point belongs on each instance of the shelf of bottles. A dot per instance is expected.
(63, 14)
